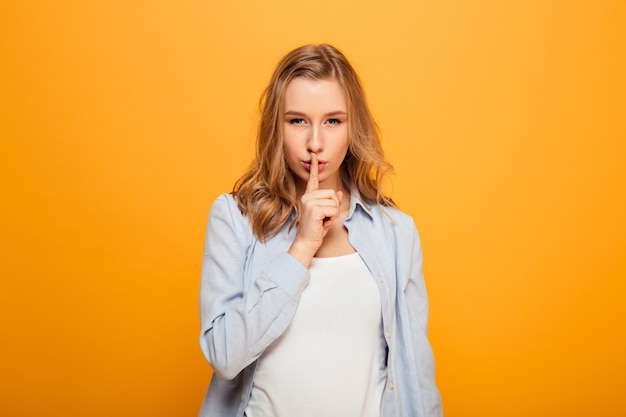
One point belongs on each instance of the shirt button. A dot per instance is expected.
(388, 334)
(380, 279)
(391, 385)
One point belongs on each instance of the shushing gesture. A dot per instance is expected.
(319, 208)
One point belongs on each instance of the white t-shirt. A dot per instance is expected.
(331, 359)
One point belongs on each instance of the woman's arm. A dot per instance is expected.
(239, 323)
(417, 303)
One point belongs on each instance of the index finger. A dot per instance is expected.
(313, 183)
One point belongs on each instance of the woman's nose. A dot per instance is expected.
(315, 141)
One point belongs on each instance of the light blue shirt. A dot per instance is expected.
(250, 290)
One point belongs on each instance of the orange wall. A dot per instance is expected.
(121, 121)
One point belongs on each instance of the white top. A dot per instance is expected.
(336, 330)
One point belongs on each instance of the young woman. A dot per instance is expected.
(312, 298)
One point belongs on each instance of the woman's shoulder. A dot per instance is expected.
(225, 198)
(224, 203)
(225, 211)
(393, 215)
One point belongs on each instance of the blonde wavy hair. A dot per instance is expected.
(266, 193)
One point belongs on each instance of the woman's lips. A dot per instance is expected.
(320, 165)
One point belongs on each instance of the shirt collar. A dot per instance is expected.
(357, 201)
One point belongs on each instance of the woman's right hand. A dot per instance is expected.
(318, 210)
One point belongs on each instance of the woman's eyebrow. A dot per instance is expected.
(329, 114)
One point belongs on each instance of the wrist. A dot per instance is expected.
(303, 252)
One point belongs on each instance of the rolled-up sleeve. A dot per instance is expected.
(239, 321)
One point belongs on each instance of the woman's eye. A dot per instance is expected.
(333, 121)
(296, 121)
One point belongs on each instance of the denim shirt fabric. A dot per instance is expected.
(250, 290)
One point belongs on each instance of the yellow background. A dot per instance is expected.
(121, 121)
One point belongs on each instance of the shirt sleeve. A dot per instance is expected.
(417, 304)
(238, 321)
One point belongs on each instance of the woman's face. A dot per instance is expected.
(315, 120)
